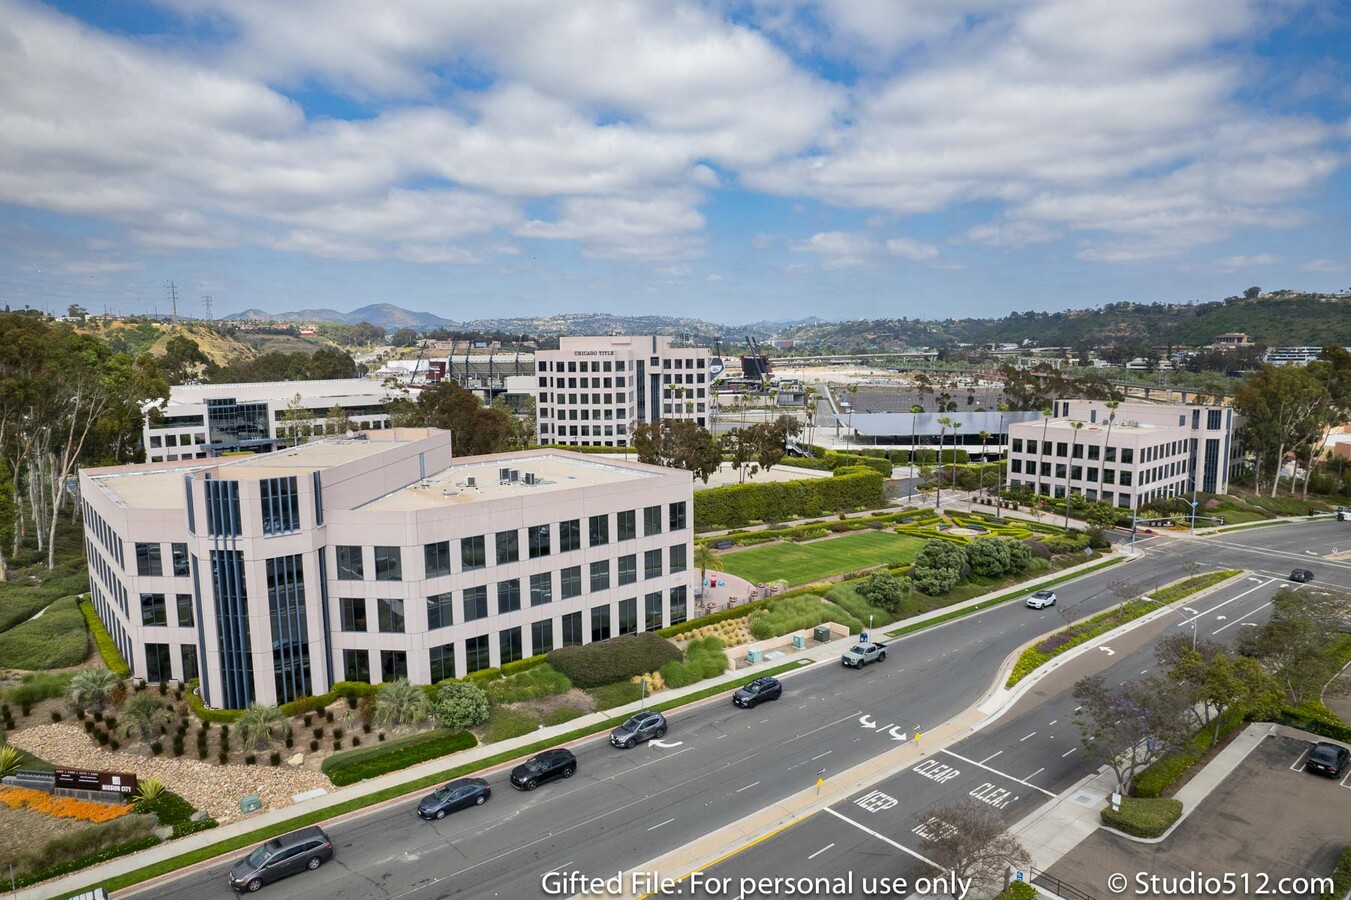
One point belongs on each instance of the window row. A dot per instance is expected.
(155, 610)
(150, 559)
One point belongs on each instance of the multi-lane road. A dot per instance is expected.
(722, 763)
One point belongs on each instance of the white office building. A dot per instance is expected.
(204, 420)
(597, 390)
(273, 576)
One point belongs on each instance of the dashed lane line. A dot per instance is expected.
(667, 822)
(1021, 739)
(822, 850)
(1239, 620)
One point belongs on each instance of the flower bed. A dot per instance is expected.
(61, 807)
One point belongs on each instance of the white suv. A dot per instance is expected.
(1041, 600)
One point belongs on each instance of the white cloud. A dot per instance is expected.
(1326, 265)
(906, 248)
(1010, 233)
(714, 276)
(1232, 263)
(838, 249)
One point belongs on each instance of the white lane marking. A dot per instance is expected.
(560, 868)
(659, 824)
(651, 762)
(746, 788)
(1299, 763)
(721, 736)
(883, 838)
(1077, 708)
(1144, 671)
(1052, 722)
(996, 771)
(991, 756)
(1238, 621)
(1021, 739)
(819, 755)
(1068, 752)
(1036, 773)
(1227, 602)
(822, 850)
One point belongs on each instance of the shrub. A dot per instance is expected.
(530, 684)
(604, 662)
(740, 504)
(1143, 818)
(56, 716)
(356, 741)
(337, 734)
(1018, 890)
(112, 657)
(156, 747)
(113, 744)
(209, 715)
(314, 745)
(459, 705)
(319, 732)
(788, 614)
(337, 745)
(1163, 773)
(883, 590)
(505, 723)
(352, 766)
(249, 759)
(274, 758)
(704, 658)
(224, 756)
(398, 704)
(939, 567)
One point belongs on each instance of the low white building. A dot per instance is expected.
(274, 576)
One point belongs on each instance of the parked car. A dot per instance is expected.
(280, 857)
(1301, 575)
(1041, 600)
(454, 796)
(757, 691)
(643, 726)
(1327, 759)
(1344, 514)
(543, 766)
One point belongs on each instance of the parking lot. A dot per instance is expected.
(1268, 818)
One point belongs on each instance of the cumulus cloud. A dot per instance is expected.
(1232, 263)
(907, 248)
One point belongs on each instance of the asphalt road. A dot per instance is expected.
(625, 807)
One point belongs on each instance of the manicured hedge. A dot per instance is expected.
(604, 662)
(832, 461)
(199, 709)
(112, 657)
(778, 501)
(1143, 818)
(1314, 717)
(1165, 772)
(352, 766)
(704, 658)
(522, 665)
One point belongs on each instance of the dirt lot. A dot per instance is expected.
(1268, 817)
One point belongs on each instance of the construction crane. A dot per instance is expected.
(756, 365)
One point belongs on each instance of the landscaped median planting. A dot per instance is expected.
(1067, 639)
(1144, 818)
(352, 766)
(1164, 773)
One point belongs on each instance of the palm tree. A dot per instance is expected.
(1102, 468)
(92, 687)
(915, 410)
(1069, 470)
(141, 714)
(1041, 448)
(705, 558)
(943, 423)
(399, 704)
(999, 473)
(984, 445)
(955, 426)
(255, 726)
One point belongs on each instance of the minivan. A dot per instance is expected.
(280, 857)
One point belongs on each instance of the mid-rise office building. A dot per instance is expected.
(1126, 456)
(597, 390)
(273, 576)
(204, 420)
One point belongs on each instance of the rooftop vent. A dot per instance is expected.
(504, 475)
(471, 481)
(530, 478)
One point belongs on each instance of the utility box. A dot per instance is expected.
(799, 642)
(822, 634)
(755, 656)
(250, 804)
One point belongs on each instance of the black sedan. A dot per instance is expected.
(543, 766)
(1301, 575)
(1328, 759)
(758, 691)
(454, 796)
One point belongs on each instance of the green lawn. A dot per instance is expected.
(804, 563)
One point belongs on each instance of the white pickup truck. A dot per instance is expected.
(861, 654)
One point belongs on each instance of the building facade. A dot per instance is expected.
(1128, 455)
(274, 576)
(597, 390)
(200, 421)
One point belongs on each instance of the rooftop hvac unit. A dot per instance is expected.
(515, 475)
(503, 474)
(471, 481)
(530, 478)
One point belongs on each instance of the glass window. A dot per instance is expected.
(1062, 448)
(652, 564)
(570, 582)
(508, 595)
(1031, 445)
(1078, 452)
(353, 613)
(1109, 454)
(158, 663)
(651, 520)
(184, 604)
(1094, 451)
(443, 662)
(436, 557)
(678, 604)
(600, 623)
(600, 575)
(1017, 445)
(569, 535)
(653, 611)
(541, 636)
(538, 540)
(290, 630)
(628, 569)
(390, 614)
(541, 589)
(180, 557)
(1127, 455)
(509, 647)
(476, 654)
(388, 564)
(677, 517)
(677, 558)
(476, 603)
(356, 665)
(572, 629)
(148, 560)
(599, 531)
(153, 610)
(441, 610)
(508, 547)
(393, 665)
(189, 654)
(628, 615)
(473, 552)
(281, 505)
(626, 524)
(349, 564)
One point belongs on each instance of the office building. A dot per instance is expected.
(273, 576)
(205, 420)
(597, 390)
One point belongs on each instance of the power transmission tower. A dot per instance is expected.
(173, 299)
(206, 301)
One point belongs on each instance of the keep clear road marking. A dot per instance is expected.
(883, 838)
(997, 772)
(822, 850)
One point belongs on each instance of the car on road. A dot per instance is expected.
(862, 653)
(1328, 759)
(299, 851)
(643, 726)
(1041, 600)
(1301, 575)
(544, 766)
(1344, 514)
(758, 691)
(455, 796)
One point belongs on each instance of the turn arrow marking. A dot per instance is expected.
(666, 744)
(1108, 650)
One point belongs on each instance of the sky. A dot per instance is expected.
(734, 161)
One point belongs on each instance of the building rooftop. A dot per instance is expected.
(1061, 427)
(549, 472)
(279, 391)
